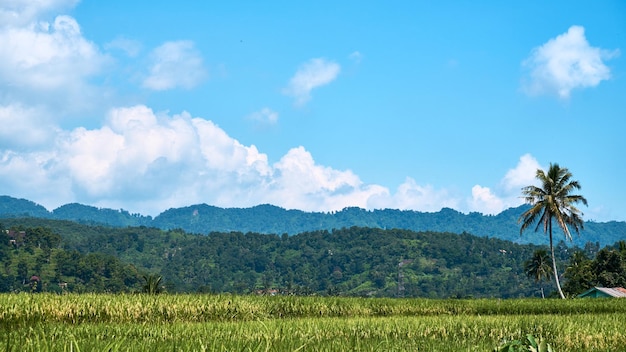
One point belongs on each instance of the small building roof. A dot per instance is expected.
(617, 292)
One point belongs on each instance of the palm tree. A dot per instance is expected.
(553, 199)
(538, 267)
(152, 284)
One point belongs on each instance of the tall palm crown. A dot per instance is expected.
(553, 199)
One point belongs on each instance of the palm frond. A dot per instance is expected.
(553, 200)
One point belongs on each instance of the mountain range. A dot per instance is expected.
(269, 219)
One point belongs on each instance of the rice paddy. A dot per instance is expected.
(102, 322)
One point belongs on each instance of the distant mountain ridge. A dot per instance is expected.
(203, 218)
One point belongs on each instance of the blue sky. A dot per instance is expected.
(314, 106)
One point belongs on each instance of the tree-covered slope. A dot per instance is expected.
(92, 215)
(35, 260)
(351, 261)
(13, 207)
(270, 219)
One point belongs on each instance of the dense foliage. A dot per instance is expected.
(72, 257)
(606, 269)
(270, 219)
(34, 262)
(354, 261)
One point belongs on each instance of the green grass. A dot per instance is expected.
(99, 322)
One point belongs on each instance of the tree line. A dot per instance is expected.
(356, 261)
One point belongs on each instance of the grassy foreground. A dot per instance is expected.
(100, 322)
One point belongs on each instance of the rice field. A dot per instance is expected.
(101, 322)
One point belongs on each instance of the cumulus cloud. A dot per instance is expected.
(310, 75)
(149, 162)
(47, 56)
(507, 193)
(565, 63)
(484, 201)
(522, 175)
(412, 196)
(300, 183)
(25, 128)
(175, 64)
(46, 63)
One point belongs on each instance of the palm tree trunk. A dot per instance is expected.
(556, 274)
(542, 295)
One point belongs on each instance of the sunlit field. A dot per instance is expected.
(101, 322)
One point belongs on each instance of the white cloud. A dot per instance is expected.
(484, 201)
(300, 183)
(412, 196)
(24, 128)
(46, 57)
(565, 63)
(175, 64)
(508, 192)
(265, 116)
(47, 64)
(128, 46)
(310, 75)
(147, 162)
(522, 175)
(23, 12)
(356, 57)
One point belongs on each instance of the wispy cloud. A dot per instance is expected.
(20, 13)
(312, 74)
(175, 64)
(565, 63)
(128, 46)
(356, 57)
(265, 116)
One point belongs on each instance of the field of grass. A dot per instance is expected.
(100, 322)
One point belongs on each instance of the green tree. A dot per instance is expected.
(609, 268)
(553, 200)
(579, 274)
(538, 268)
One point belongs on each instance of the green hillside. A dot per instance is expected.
(269, 219)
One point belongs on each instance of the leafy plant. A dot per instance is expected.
(529, 344)
(152, 284)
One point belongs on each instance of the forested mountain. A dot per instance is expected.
(60, 255)
(355, 261)
(13, 207)
(33, 259)
(270, 219)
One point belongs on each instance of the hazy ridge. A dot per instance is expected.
(269, 219)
